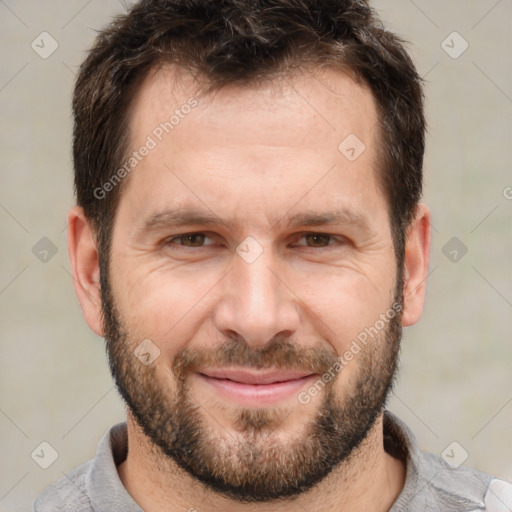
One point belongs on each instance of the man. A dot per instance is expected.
(249, 240)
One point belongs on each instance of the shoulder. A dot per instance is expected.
(69, 494)
(499, 496)
(95, 484)
(457, 480)
(436, 482)
(459, 488)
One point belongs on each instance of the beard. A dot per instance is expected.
(254, 462)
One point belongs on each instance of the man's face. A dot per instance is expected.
(263, 289)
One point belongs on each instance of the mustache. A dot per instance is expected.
(278, 354)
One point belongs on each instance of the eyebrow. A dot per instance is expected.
(180, 217)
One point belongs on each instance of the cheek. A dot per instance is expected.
(165, 306)
(347, 304)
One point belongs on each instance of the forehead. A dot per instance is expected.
(271, 142)
(322, 101)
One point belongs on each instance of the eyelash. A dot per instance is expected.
(170, 241)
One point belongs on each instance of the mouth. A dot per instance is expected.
(256, 388)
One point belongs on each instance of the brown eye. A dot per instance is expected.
(318, 239)
(193, 240)
(188, 240)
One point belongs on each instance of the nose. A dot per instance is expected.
(257, 304)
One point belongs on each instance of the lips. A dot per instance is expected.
(245, 377)
(249, 388)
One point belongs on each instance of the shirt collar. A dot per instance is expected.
(428, 478)
(104, 486)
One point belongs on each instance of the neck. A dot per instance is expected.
(370, 479)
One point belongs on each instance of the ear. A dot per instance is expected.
(417, 255)
(83, 255)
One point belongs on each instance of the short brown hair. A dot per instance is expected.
(243, 42)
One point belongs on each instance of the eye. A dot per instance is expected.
(319, 240)
(188, 240)
(197, 240)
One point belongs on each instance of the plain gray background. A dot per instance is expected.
(456, 381)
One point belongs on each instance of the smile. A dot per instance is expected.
(248, 388)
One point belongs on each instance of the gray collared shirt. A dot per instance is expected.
(431, 483)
